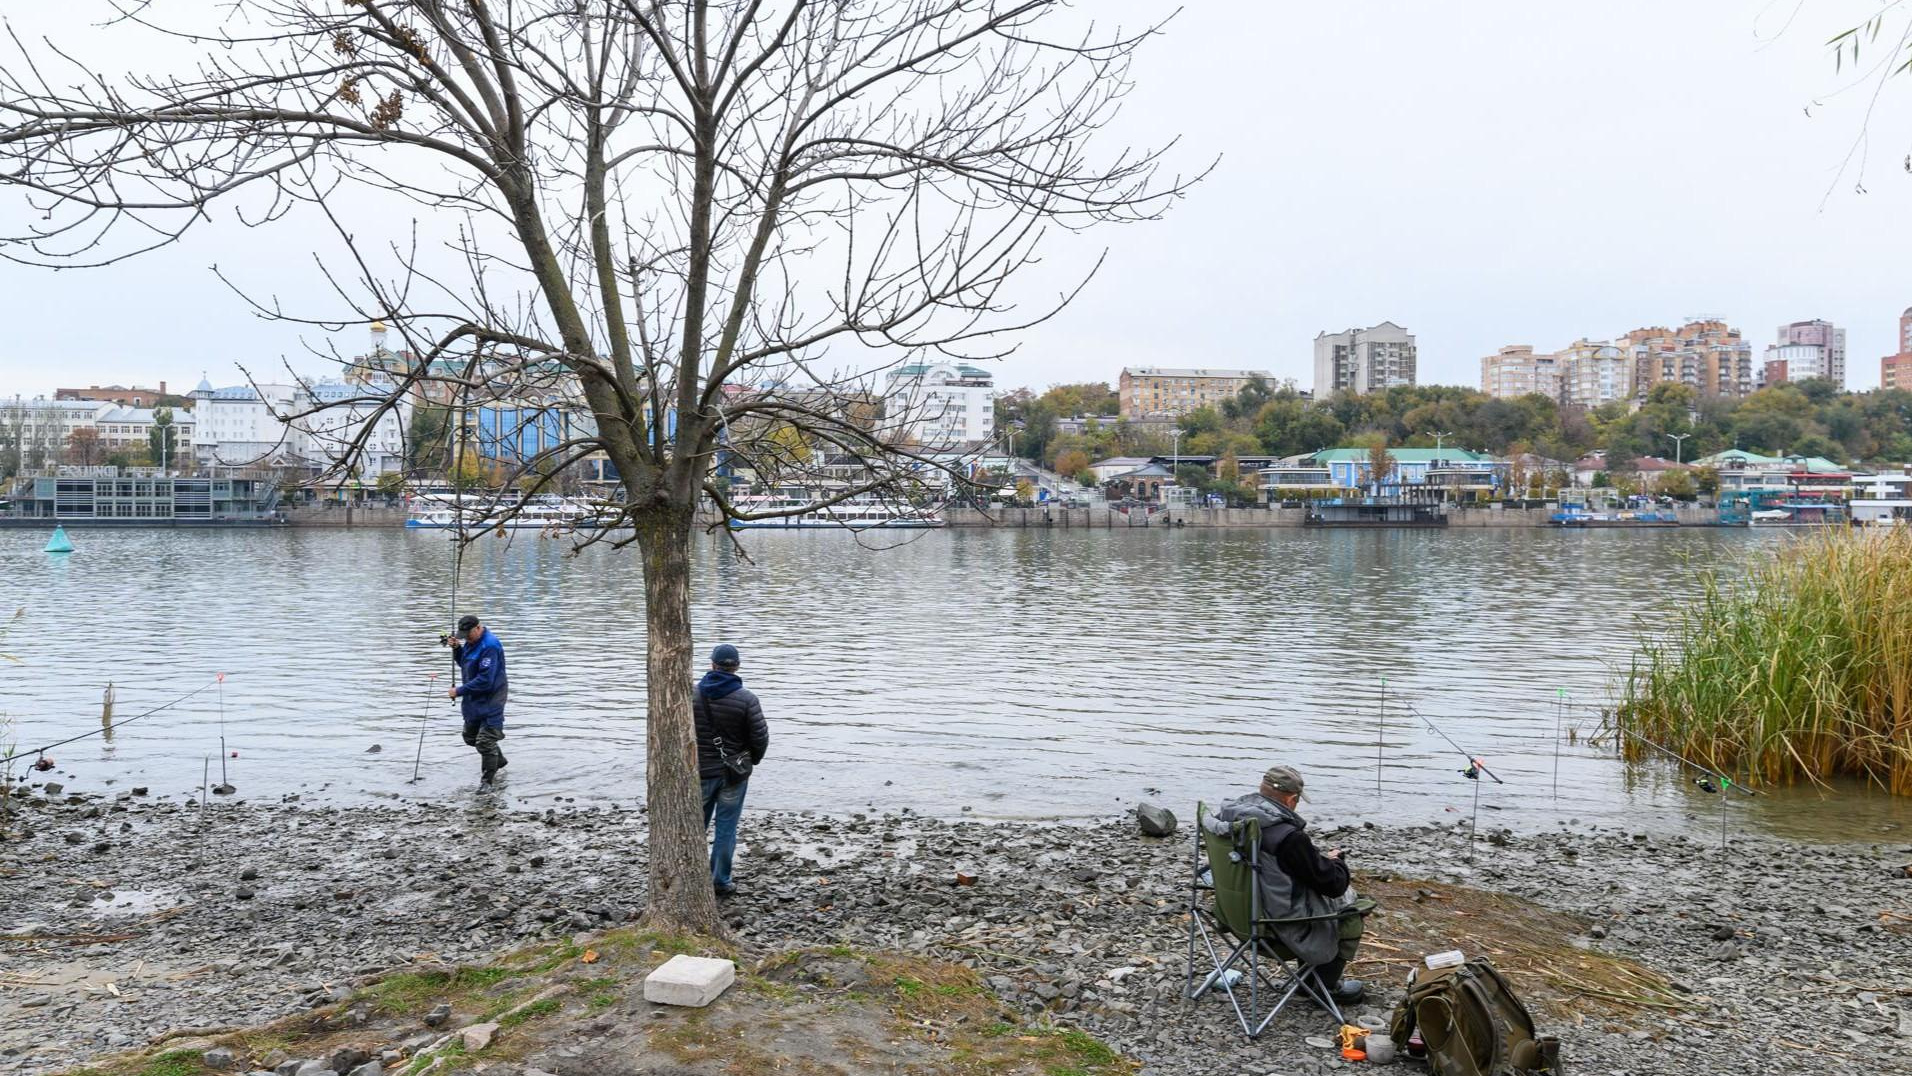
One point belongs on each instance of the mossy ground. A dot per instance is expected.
(789, 1013)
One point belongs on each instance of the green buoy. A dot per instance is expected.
(59, 543)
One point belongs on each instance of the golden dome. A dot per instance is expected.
(378, 326)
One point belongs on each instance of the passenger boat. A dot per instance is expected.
(483, 514)
(1800, 514)
(802, 513)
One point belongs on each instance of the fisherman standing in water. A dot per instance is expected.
(480, 658)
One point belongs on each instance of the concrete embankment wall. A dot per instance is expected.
(1110, 519)
(345, 515)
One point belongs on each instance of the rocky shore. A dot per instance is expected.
(125, 918)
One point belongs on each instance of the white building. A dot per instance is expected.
(42, 428)
(941, 405)
(1364, 360)
(1806, 349)
(340, 414)
(241, 425)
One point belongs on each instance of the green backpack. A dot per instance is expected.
(1473, 1024)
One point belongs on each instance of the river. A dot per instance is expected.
(993, 673)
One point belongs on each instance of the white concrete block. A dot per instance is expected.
(694, 981)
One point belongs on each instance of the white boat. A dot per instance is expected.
(798, 513)
(481, 514)
(1882, 500)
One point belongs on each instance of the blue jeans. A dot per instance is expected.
(726, 802)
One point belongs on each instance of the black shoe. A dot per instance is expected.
(725, 890)
(1348, 992)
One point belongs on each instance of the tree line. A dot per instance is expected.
(1805, 418)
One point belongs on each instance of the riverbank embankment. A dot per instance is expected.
(1107, 518)
(125, 919)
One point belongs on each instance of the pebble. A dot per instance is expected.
(1096, 905)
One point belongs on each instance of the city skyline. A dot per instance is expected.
(1531, 222)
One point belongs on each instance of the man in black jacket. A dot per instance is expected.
(730, 729)
(1298, 881)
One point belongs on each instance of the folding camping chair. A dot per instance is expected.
(1234, 912)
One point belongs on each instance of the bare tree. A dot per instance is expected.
(709, 222)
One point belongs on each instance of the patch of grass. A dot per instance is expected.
(910, 988)
(537, 1010)
(413, 991)
(539, 960)
(174, 1063)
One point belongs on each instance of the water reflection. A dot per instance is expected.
(1015, 672)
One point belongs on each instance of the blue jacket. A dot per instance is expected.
(482, 696)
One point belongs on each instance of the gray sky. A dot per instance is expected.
(1525, 173)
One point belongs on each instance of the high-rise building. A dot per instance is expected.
(1147, 392)
(1363, 360)
(1594, 372)
(1706, 354)
(1895, 371)
(941, 404)
(1807, 349)
(1517, 370)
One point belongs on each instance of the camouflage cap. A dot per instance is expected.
(1283, 779)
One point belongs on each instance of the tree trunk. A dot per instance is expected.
(681, 897)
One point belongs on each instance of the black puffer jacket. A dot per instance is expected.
(725, 707)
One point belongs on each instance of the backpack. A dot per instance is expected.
(1473, 1024)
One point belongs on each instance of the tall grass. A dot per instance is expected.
(1799, 668)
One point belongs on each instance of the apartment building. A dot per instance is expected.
(1154, 392)
(1806, 349)
(1705, 353)
(1364, 360)
(1895, 371)
(1517, 370)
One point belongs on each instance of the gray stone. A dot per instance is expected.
(478, 1036)
(1155, 821)
(370, 1068)
(438, 1016)
(218, 1058)
(348, 1059)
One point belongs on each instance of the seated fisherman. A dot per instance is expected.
(1297, 881)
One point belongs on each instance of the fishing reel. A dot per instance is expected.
(1472, 772)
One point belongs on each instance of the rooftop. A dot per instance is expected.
(1406, 455)
(1178, 371)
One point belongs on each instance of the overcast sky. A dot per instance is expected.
(1522, 173)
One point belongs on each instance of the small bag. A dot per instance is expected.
(1473, 1024)
(736, 760)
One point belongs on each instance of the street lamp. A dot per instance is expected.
(1679, 444)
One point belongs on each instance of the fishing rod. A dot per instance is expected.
(430, 690)
(96, 732)
(1475, 766)
(1723, 781)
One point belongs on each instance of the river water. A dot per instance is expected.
(998, 673)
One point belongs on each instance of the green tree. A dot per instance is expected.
(1679, 485)
(428, 438)
(162, 441)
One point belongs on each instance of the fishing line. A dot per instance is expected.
(116, 725)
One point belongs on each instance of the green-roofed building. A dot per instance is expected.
(1439, 473)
